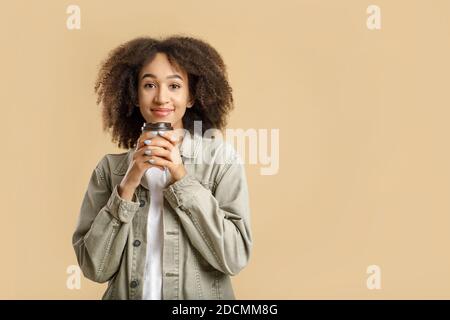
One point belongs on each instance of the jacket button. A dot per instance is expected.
(141, 203)
(136, 243)
(134, 283)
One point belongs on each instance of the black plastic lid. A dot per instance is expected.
(157, 126)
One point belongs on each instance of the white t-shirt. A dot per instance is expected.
(157, 180)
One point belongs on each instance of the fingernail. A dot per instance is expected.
(161, 133)
(174, 138)
(154, 133)
(148, 152)
(147, 142)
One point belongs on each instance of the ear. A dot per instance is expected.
(190, 103)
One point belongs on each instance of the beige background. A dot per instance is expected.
(363, 117)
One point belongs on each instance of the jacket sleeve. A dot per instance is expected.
(102, 228)
(218, 225)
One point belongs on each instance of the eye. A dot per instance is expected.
(175, 86)
(148, 84)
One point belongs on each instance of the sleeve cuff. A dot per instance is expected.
(121, 209)
(175, 194)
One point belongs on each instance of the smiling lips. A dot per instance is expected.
(162, 112)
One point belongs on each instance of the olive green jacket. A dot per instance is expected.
(206, 221)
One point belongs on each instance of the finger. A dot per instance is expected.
(146, 135)
(141, 160)
(143, 153)
(147, 165)
(156, 141)
(157, 151)
(171, 135)
(158, 161)
(149, 134)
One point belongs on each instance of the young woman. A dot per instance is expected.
(178, 235)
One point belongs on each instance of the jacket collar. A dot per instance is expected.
(189, 148)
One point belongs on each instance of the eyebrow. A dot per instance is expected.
(169, 77)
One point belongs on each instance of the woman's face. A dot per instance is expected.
(163, 92)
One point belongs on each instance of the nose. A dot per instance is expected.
(163, 96)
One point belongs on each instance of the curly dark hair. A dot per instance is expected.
(117, 85)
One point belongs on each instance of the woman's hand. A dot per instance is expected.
(153, 150)
(163, 151)
(156, 149)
